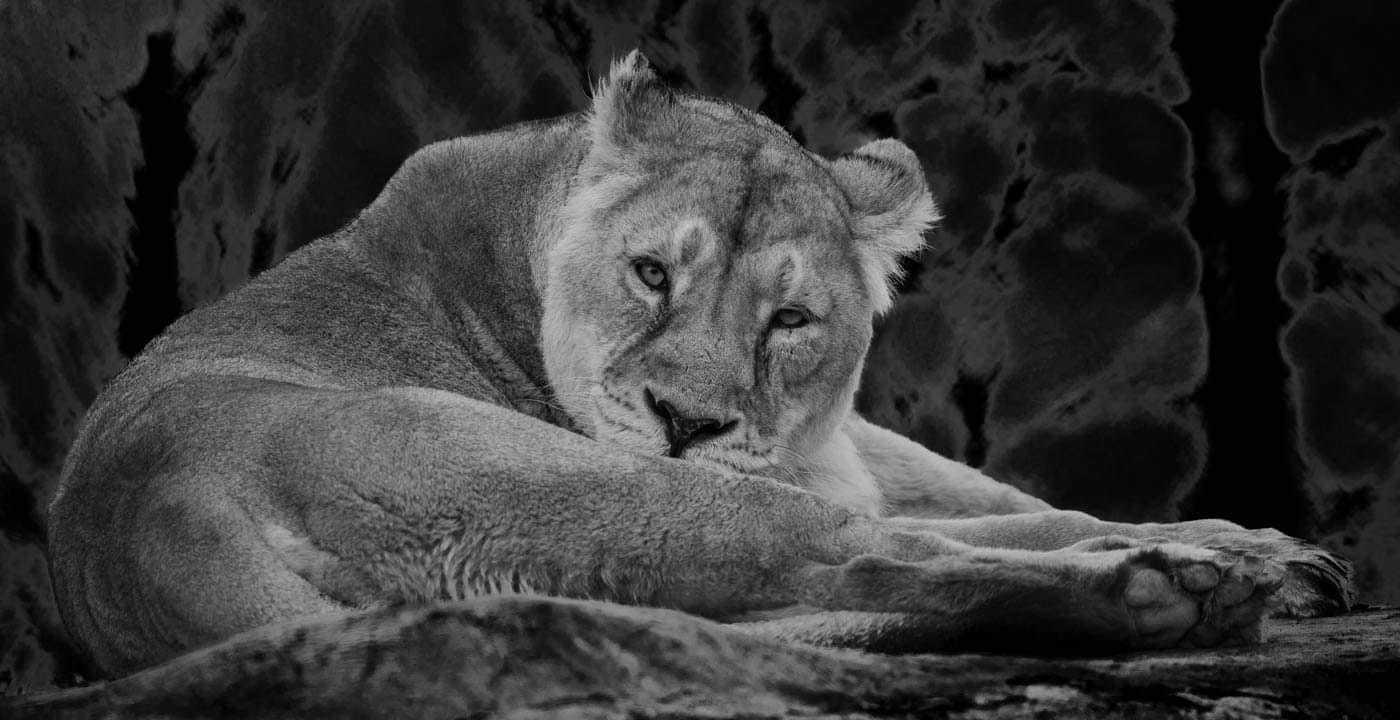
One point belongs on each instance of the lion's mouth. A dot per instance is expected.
(626, 434)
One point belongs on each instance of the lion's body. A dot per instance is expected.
(421, 407)
(335, 317)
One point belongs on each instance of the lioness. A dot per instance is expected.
(606, 356)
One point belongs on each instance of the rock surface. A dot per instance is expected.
(531, 657)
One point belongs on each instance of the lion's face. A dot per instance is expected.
(711, 289)
(716, 313)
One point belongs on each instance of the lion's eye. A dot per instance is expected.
(789, 318)
(651, 273)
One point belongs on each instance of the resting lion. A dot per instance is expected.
(606, 356)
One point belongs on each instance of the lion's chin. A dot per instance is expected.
(713, 462)
(728, 465)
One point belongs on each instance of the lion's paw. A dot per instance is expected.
(1316, 582)
(1183, 596)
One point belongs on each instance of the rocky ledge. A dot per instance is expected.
(532, 657)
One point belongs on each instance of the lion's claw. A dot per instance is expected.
(1315, 583)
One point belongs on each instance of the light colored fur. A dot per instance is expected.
(448, 398)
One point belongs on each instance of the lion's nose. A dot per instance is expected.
(682, 431)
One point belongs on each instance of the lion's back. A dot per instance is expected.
(160, 460)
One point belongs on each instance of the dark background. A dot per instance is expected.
(1168, 284)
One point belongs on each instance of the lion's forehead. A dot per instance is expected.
(773, 251)
(736, 212)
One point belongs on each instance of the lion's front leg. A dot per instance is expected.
(1162, 596)
(961, 503)
(1317, 582)
(417, 494)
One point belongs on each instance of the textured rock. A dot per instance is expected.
(1340, 272)
(523, 657)
(1058, 308)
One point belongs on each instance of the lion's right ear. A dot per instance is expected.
(622, 103)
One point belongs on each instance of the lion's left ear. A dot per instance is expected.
(891, 207)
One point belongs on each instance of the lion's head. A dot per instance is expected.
(711, 292)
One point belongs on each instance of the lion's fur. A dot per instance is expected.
(443, 400)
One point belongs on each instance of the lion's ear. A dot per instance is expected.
(622, 102)
(891, 207)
